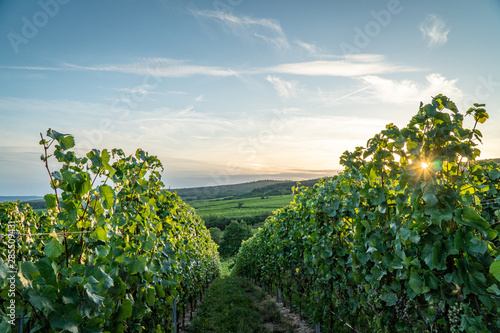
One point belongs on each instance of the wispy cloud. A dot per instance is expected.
(266, 29)
(394, 91)
(434, 30)
(284, 88)
(359, 65)
(315, 51)
(311, 48)
(32, 68)
(160, 67)
(354, 66)
(156, 67)
(140, 90)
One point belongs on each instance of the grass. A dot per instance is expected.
(234, 305)
(227, 265)
(251, 206)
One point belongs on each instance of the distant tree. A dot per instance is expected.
(240, 204)
(234, 234)
(216, 234)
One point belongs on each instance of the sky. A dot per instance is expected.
(227, 91)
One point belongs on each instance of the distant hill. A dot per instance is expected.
(21, 198)
(222, 191)
(496, 160)
(282, 188)
(260, 188)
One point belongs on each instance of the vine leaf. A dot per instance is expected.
(66, 141)
(125, 310)
(107, 195)
(29, 270)
(495, 269)
(390, 298)
(66, 317)
(417, 283)
(51, 201)
(472, 219)
(53, 249)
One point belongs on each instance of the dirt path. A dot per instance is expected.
(234, 305)
(291, 318)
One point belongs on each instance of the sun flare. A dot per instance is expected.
(425, 165)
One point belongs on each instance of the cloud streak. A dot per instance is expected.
(160, 67)
(434, 30)
(404, 91)
(284, 88)
(268, 30)
(357, 65)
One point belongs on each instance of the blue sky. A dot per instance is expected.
(227, 91)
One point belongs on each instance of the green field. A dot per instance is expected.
(251, 206)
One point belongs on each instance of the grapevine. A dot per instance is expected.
(405, 232)
(113, 251)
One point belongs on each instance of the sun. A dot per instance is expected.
(425, 165)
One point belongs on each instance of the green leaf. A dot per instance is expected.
(70, 295)
(390, 298)
(51, 201)
(29, 270)
(137, 265)
(428, 255)
(53, 249)
(67, 317)
(99, 234)
(57, 175)
(41, 300)
(430, 198)
(472, 219)
(125, 310)
(5, 326)
(66, 142)
(415, 237)
(495, 269)
(160, 291)
(417, 283)
(107, 194)
(98, 299)
(101, 251)
(104, 279)
(404, 233)
(494, 290)
(431, 280)
(54, 134)
(481, 116)
(494, 174)
(150, 299)
(477, 246)
(48, 270)
(473, 279)
(4, 269)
